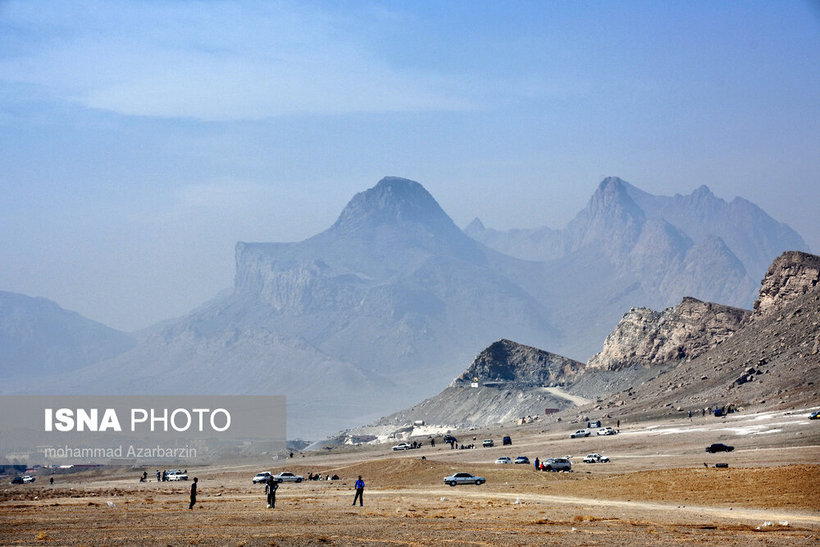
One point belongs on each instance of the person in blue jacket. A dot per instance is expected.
(359, 492)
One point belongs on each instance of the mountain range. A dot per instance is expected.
(390, 301)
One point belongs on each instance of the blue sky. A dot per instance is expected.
(140, 140)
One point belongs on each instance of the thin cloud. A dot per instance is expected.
(211, 61)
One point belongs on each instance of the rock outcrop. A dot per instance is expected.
(504, 383)
(790, 276)
(508, 362)
(645, 337)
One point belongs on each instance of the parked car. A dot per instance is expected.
(287, 476)
(579, 433)
(463, 478)
(719, 447)
(595, 458)
(488, 443)
(403, 446)
(450, 439)
(606, 431)
(556, 464)
(176, 475)
(522, 459)
(261, 477)
(815, 415)
(24, 479)
(507, 440)
(503, 459)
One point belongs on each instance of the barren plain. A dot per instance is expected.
(660, 488)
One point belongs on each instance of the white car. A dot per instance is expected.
(463, 478)
(606, 431)
(287, 476)
(556, 464)
(488, 443)
(176, 475)
(579, 433)
(503, 459)
(595, 458)
(403, 446)
(261, 477)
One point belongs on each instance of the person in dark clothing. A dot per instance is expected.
(270, 489)
(158, 475)
(193, 493)
(51, 480)
(359, 492)
(537, 464)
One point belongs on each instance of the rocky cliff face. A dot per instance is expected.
(506, 361)
(645, 337)
(790, 276)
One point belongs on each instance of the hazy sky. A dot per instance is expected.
(139, 141)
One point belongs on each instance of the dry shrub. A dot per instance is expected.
(42, 536)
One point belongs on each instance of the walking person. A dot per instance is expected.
(359, 492)
(270, 489)
(193, 493)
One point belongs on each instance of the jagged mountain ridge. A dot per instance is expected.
(666, 243)
(644, 337)
(37, 336)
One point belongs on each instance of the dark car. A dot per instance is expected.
(506, 440)
(815, 415)
(450, 439)
(719, 447)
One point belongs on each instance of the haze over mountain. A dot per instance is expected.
(390, 301)
(674, 246)
(39, 337)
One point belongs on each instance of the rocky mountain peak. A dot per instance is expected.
(474, 227)
(393, 201)
(791, 275)
(506, 361)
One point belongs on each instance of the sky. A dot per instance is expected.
(140, 140)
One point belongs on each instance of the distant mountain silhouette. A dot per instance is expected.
(39, 337)
(386, 305)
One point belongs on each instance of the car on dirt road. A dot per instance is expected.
(25, 479)
(579, 433)
(595, 458)
(488, 443)
(606, 431)
(403, 446)
(262, 477)
(503, 459)
(815, 415)
(719, 447)
(522, 459)
(463, 478)
(287, 476)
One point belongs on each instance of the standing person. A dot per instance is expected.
(359, 492)
(537, 463)
(270, 489)
(158, 475)
(193, 493)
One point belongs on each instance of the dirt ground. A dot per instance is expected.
(661, 488)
